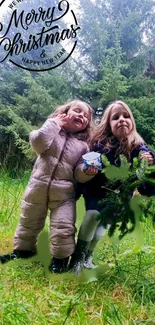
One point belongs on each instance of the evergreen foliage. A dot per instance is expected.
(26, 104)
(120, 208)
(114, 60)
(15, 152)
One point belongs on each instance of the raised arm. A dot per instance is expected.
(42, 138)
(145, 188)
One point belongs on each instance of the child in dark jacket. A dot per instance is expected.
(116, 134)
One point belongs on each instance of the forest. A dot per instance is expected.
(114, 59)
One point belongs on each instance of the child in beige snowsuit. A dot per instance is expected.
(60, 144)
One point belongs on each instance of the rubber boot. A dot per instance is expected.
(16, 254)
(58, 265)
(88, 264)
(78, 257)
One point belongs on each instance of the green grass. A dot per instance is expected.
(120, 292)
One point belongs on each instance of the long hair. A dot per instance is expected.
(85, 134)
(103, 133)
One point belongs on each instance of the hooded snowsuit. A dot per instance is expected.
(52, 185)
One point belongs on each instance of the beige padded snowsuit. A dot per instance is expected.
(52, 185)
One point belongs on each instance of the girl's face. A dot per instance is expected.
(120, 121)
(78, 118)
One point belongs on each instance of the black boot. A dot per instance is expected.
(16, 254)
(78, 257)
(88, 264)
(58, 265)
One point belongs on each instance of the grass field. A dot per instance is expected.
(121, 291)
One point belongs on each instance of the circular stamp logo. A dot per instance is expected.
(37, 35)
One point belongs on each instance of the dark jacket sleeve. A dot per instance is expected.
(145, 188)
(79, 187)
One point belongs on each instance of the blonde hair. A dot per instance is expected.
(103, 133)
(85, 134)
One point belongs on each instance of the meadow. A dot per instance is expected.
(120, 291)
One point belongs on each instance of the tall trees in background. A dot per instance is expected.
(25, 102)
(117, 42)
(115, 59)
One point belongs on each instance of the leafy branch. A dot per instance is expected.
(120, 208)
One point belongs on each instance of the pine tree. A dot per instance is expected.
(119, 206)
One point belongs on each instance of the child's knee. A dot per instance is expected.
(92, 216)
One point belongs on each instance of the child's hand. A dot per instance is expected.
(91, 170)
(148, 157)
(61, 119)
